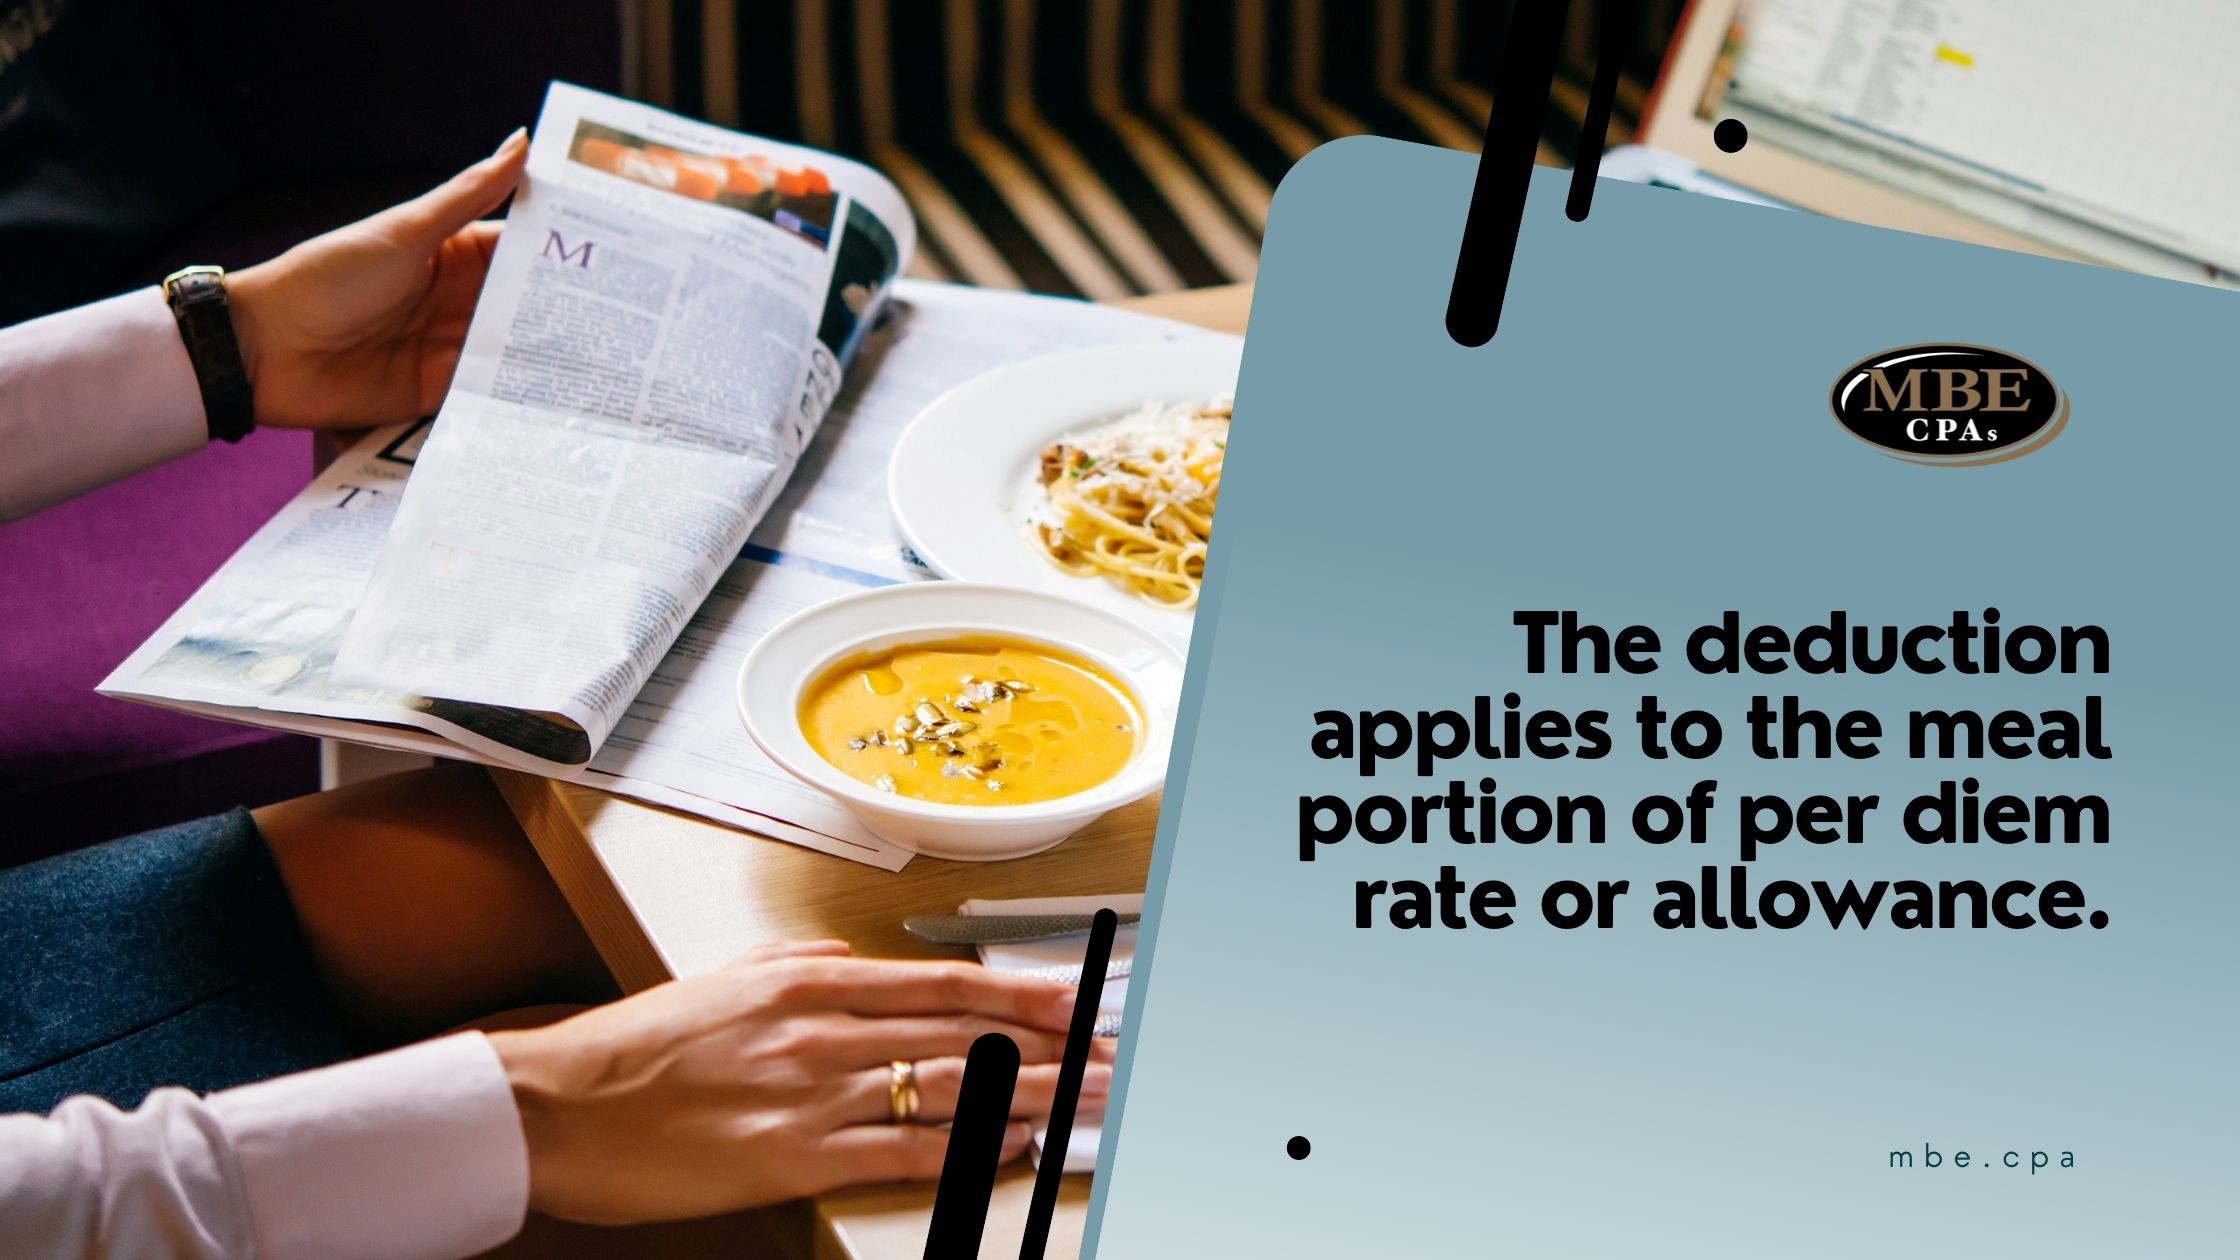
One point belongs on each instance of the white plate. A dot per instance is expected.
(962, 477)
(799, 649)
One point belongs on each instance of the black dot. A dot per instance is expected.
(1298, 1147)
(2099, 919)
(1730, 135)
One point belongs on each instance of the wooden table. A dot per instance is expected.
(664, 894)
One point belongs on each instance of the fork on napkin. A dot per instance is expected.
(1062, 951)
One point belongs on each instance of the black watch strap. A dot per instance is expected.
(198, 301)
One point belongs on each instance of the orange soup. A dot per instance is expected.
(973, 721)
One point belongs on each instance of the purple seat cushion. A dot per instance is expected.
(328, 112)
(83, 584)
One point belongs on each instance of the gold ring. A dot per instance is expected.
(902, 1091)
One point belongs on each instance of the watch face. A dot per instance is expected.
(188, 281)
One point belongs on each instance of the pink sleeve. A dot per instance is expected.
(91, 395)
(412, 1155)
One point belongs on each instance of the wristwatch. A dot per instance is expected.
(198, 301)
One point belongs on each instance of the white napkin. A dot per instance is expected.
(1065, 951)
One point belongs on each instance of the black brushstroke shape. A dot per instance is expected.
(960, 1206)
(1085, 1002)
(1617, 32)
(968, 1170)
(1489, 235)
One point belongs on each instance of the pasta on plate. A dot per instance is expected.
(1132, 501)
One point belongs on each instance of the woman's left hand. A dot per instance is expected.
(362, 326)
(771, 1079)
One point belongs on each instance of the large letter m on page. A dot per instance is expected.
(555, 247)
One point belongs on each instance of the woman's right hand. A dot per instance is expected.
(769, 1080)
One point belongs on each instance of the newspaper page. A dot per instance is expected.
(258, 642)
(661, 331)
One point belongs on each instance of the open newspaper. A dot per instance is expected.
(661, 332)
(556, 556)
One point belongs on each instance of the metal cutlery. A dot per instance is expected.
(998, 929)
(1120, 969)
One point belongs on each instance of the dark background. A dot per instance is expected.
(139, 135)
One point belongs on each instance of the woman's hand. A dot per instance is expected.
(769, 1080)
(362, 326)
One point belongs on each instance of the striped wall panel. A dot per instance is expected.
(1104, 148)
